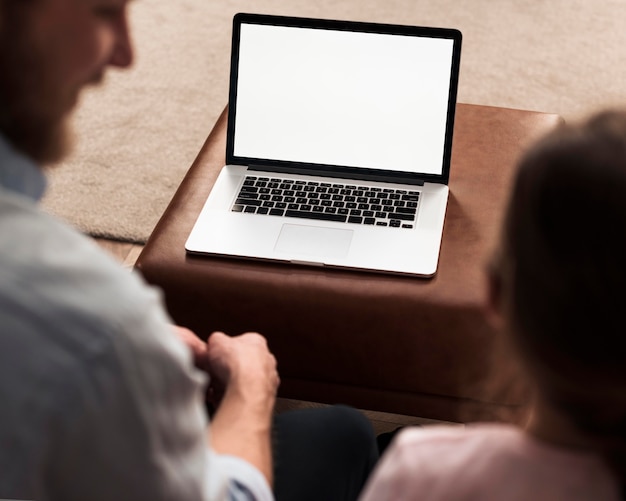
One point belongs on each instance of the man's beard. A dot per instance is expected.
(33, 117)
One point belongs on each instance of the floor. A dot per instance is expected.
(127, 254)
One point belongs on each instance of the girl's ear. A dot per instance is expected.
(494, 305)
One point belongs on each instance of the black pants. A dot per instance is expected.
(322, 454)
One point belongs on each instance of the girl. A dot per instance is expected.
(558, 291)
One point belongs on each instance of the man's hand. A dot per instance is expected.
(242, 424)
(196, 345)
(245, 380)
(244, 362)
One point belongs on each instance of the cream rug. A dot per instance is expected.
(139, 132)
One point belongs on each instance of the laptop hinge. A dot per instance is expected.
(361, 176)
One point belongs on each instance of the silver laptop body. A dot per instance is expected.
(338, 146)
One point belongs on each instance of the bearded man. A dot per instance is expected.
(102, 397)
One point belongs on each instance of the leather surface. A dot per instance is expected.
(405, 345)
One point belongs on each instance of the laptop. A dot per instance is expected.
(338, 146)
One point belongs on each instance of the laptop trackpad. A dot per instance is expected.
(314, 241)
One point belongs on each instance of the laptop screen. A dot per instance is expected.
(351, 95)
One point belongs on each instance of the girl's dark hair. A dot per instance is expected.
(562, 273)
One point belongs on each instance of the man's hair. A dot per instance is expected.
(562, 269)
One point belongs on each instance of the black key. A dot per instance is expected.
(339, 204)
(368, 213)
(318, 208)
(364, 206)
(249, 181)
(281, 205)
(245, 201)
(276, 212)
(250, 210)
(355, 219)
(411, 197)
(403, 217)
(351, 205)
(394, 223)
(407, 226)
(262, 210)
(246, 194)
(355, 212)
(293, 206)
(350, 199)
(377, 208)
(394, 196)
(388, 208)
(324, 196)
(249, 189)
(269, 203)
(324, 216)
(381, 215)
(406, 210)
(343, 212)
(277, 198)
(330, 210)
(411, 204)
(381, 223)
(307, 208)
(301, 200)
(369, 220)
(387, 202)
(237, 208)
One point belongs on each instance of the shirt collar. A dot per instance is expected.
(19, 173)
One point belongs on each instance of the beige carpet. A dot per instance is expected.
(138, 133)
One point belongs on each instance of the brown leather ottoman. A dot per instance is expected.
(404, 345)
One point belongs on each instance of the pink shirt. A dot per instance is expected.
(485, 462)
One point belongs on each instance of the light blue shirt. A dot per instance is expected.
(19, 174)
(99, 398)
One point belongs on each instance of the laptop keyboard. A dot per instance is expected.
(328, 201)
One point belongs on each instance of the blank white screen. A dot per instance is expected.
(342, 98)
